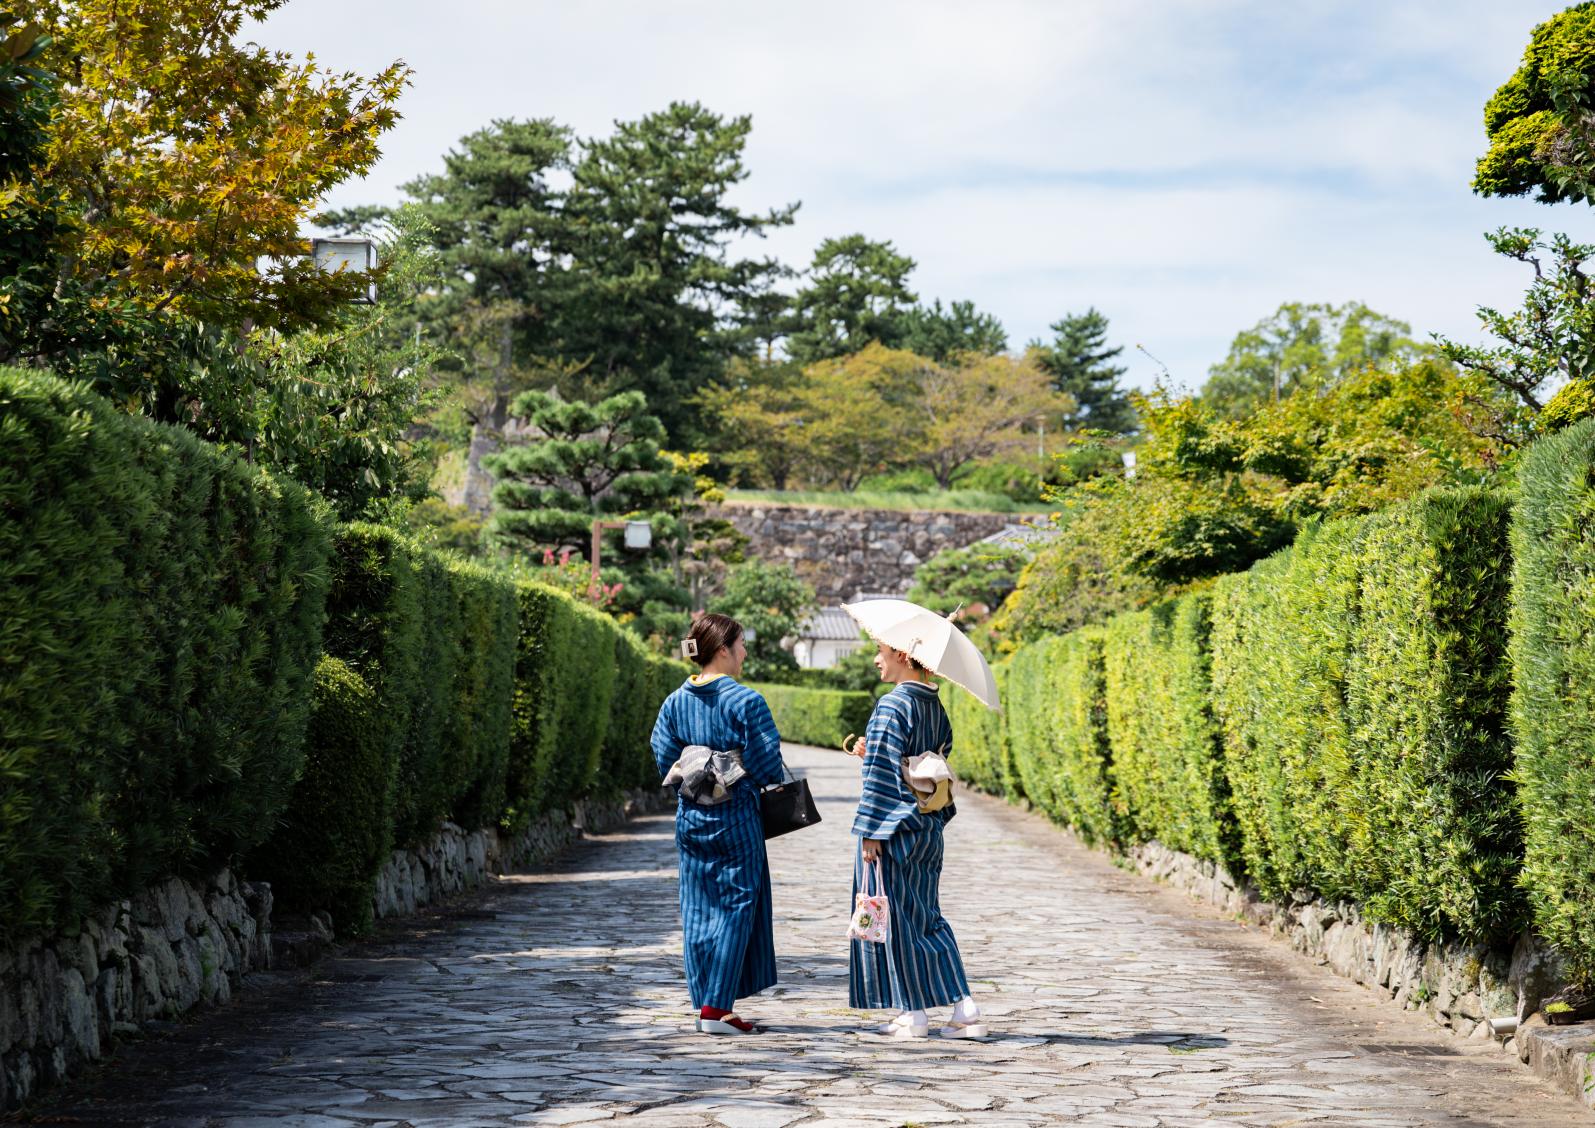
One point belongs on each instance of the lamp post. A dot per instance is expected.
(639, 536)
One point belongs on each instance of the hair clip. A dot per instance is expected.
(689, 648)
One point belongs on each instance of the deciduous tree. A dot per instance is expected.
(1305, 346)
(974, 407)
(185, 156)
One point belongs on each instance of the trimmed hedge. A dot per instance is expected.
(1165, 750)
(1331, 720)
(1553, 699)
(821, 717)
(339, 825)
(980, 736)
(1361, 683)
(477, 738)
(161, 609)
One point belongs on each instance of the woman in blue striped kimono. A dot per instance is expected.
(919, 966)
(728, 941)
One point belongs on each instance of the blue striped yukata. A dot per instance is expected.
(919, 965)
(728, 940)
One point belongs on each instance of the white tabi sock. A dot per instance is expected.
(966, 1011)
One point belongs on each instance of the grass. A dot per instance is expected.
(968, 501)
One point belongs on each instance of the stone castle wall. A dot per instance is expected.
(846, 551)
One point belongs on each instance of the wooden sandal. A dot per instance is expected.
(727, 1026)
(973, 1030)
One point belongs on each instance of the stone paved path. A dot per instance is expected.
(1116, 1003)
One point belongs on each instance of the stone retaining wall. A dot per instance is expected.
(456, 860)
(845, 551)
(175, 946)
(1459, 986)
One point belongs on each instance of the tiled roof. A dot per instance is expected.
(830, 624)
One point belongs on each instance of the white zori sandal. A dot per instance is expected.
(903, 1027)
(956, 1029)
(727, 1025)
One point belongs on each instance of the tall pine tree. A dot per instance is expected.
(857, 292)
(1080, 363)
(655, 293)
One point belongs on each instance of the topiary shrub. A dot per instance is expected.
(1553, 696)
(478, 735)
(564, 686)
(821, 717)
(1084, 780)
(161, 609)
(338, 828)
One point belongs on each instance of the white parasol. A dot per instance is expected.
(930, 639)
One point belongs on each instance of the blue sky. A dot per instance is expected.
(1183, 165)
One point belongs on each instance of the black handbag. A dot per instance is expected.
(787, 806)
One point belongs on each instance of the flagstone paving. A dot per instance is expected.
(557, 998)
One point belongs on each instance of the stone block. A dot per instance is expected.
(80, 1015)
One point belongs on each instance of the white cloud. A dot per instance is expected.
(1183, 165)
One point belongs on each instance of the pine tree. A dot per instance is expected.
(857, 293)
(585, 460)
(1078, 361)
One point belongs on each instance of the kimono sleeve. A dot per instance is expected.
(883, 806)
(761, 752)
(666, 745)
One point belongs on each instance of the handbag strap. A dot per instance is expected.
(861, 874)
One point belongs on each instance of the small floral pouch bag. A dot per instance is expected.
(872, 916)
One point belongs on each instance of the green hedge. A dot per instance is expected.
(161, 610)
(642, 681)
(1331, 720)
(1361, 684)
(162, 607)
(1553, 700)
(338, 828)
(821, 717)
(477, 738)
(1165, 750)
(980, 737)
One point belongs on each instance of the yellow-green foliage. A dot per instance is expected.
(161, 607)
(1553, 699)
(821, 717)
(338, 827)
(1164, 741)
(1575, 402)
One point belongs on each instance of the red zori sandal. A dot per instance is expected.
(712, 1021)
